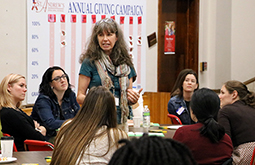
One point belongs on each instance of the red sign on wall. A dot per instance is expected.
(169, 37)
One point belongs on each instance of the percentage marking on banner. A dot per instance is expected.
(34, 93)
(35, 63)
(34, 76)
(34, 36)
(35, 50)
(36, 23)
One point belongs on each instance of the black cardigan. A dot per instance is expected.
(19, 125)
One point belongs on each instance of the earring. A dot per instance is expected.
(52, 87)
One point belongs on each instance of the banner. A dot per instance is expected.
(58, 30)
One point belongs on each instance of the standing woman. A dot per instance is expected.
(92, 136)
(184, 87)
(106, 62)
(14, 121)
(56, 101)
(237, 116)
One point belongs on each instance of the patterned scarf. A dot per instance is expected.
(104, 66)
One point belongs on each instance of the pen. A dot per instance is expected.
(163, 127)
(48, 159)
(158, 131)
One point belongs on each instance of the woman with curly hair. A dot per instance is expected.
(106, 62)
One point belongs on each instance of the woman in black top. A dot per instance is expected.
(14, 121)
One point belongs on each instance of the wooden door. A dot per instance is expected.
(185, 14)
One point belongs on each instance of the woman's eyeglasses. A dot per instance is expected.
(58, 78)
(106, 20)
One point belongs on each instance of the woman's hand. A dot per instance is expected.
(133, 96)
(39, 128)
(42, 130)
(36, 124)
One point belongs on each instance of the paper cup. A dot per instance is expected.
(7, 146)
(137, 122)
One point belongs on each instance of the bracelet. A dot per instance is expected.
(38, 130)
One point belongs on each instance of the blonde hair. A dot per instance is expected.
(6, 99)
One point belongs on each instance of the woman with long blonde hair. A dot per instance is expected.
(14, 121)
(92, 135)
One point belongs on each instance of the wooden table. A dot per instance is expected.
(30, 157)
(169, 134)
(39, 156)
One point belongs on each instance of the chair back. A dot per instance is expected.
(37, 145)
(14, 146)
(228, 162)
(253, 158)
(174, 119)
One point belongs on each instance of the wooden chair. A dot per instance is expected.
(253, 158)
(174, 119)
(37, 145)
(14, 146)
(28, 111)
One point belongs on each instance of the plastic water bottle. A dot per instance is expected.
(146, 117)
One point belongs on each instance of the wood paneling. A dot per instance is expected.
(185, 13)
(157, 103)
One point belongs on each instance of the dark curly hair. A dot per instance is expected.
(152, 150)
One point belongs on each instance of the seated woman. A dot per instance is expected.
(152, 150)
(184, 87)
(56, 101)
(206, 139)
(14, 121)
(92, 136)
(237, 117)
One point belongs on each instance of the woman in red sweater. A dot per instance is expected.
(206, 139)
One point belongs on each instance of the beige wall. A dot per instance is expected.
(243, 40)
(215, 42)
(226, 41)
(151, 53)
(12, 37)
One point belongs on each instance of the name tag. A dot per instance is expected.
(117, 102)
(180, 110)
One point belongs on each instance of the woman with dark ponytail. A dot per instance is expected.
(206, 139)
(237, 116)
